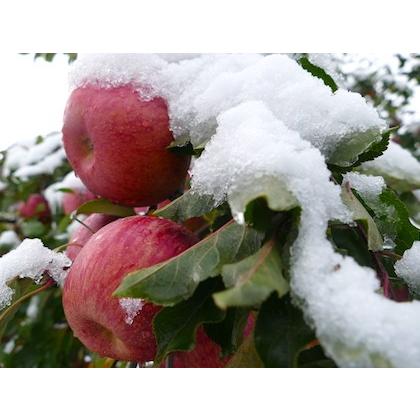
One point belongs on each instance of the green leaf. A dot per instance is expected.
(351, 146)
(229, 333)
(104, 206)
(393, 221)
(318, 72)
(176, 279)
(23, 290)
(247, 356)
(280, 332)
(33, 228)
(253, 279)
(359, 213)
(186, 206)
(175, 327)
(374, 150)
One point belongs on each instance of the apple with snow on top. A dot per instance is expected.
(36, 206)
(83, 233)
(117, 144)
(73, 200)
(95, 316)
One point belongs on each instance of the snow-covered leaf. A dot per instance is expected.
(172, 281)
(399, 168)
(359, 213)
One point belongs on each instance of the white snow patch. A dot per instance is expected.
(27, 159)
(9, 238)
(396, 162)
(132, 308)
(31, 259)
(53, 194)
(408, 268)
(368, 186)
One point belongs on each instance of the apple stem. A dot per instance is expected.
(84, 224)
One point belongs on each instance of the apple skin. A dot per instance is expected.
(73, 200)
(79, 238)
(117, 144)
(36, 206)
(94, 315)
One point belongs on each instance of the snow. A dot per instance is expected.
(199, 89)
(30, 260)
(53, 194)
(408, 268)
(9, 238)
(29, 158)
(132, 308)
(269, 127)
(396, 162)
(368, 186)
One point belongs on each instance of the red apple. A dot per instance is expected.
(73, 200)
(117, 144)
(36, 206)
(95, 316)
(206, 353)
(83, 233)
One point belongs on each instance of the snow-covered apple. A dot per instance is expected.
(95, 316)
(73, 200)
(83, 233)
(36, 206)
(117, 144)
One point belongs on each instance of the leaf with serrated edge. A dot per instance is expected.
(175, 326)
(318, 72)
(253, 279)
(105, 207)
(176, 279)
(359, 213)
(186, 206)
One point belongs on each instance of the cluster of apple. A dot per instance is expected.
(117, 144)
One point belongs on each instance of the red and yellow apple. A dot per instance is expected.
(117, 144)
(94, 315)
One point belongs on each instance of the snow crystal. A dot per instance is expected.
(27, 159)
(31, 259)
(408, 268)
(9, 238)
(53, 194)
(396, 162)
(131, 307)
(199, 89)
(369, 187)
